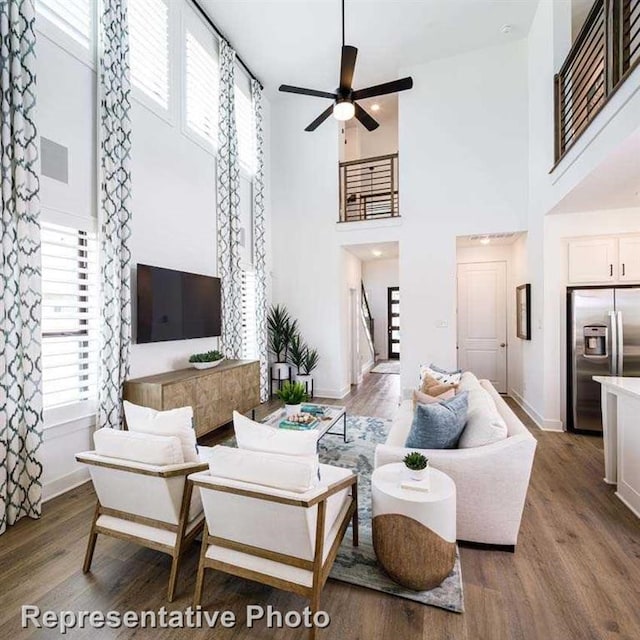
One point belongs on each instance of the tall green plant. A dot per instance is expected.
(297, 351)
(309, 361)
(278, 325)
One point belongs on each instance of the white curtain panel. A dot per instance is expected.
(228, 214)
(259, 243)
(114, 105)
(20, 262)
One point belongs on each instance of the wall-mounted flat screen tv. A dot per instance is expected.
(175, 305)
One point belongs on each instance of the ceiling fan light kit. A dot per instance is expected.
(344, 98)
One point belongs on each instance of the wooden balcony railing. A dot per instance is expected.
(605, 52)
(369, 188)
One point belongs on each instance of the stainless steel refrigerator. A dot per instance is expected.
(603, 339)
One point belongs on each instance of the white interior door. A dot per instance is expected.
(482, 321)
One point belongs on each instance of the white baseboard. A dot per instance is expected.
(65, 483)
(367, 366)
(333, 394)
(542, 423)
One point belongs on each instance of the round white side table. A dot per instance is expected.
(414, 532)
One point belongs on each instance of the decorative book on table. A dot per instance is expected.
(297, 426)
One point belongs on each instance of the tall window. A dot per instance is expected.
(149, 48)
(74, 17)
(246, 131)
(201, 88)
(249, 315)
(69, 315)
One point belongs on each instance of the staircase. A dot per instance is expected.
(367, 320)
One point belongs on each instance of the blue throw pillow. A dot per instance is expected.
(438, 425)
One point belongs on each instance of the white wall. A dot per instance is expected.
(463, 170)
(378, 276)
(361, 143)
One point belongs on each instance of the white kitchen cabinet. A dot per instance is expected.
(593, 260)
(629, 259)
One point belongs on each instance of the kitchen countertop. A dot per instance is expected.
(627, 386)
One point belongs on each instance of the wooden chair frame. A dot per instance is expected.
(183, 539)
(319, 569)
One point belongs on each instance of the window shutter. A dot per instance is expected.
(249, 315)
(74, 17)
(149, 48)
(201, 86)
(70, 319)
(246, 131)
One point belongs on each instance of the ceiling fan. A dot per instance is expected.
(344, 98)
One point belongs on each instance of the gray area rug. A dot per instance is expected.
(389, 366)
(358, 565)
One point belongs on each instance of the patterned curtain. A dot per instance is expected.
(115, 209)
(259, 244)
(20, 264)
(228, 185)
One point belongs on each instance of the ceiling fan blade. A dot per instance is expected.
(320, 119)
(307, 92)
(365, 118)
(383, 89)
(347, 67)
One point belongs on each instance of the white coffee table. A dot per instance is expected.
(333, 414)
(414, 532)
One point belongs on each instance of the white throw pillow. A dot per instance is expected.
(439, 375)
(138, 447)
(484, 425)
(285, 472)
(255, 436)
(175, 422)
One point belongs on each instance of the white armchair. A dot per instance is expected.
(263, 523)
(147, 503)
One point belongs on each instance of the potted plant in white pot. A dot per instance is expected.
(310, 359)
(417, 464)
(206, 360)
(281, 330)
(293, 394)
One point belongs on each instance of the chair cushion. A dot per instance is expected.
(438, 425)
(175, 422)
(138, 447)
(254, 436)
(285, 472)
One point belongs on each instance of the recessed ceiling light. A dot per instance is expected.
(375, 107)
(376, 253)
(485, 240)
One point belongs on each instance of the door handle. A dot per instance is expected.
(623, 269)
(611, 270)
(502, 344)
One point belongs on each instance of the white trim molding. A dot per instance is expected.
(544, 424)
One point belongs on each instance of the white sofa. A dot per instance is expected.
(491, 480)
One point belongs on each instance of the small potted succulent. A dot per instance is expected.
(417, 464)
(206, 360)
(281, 328)
(293, 394)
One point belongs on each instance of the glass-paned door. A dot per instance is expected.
(393, 323)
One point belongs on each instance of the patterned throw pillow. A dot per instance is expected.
(438, 425)
(434, 387)
(425, 398)
(441, 375)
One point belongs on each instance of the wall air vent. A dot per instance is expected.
(54, 160)
(493, 236)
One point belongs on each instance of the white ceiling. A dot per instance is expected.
(375, 251)
(298, 41)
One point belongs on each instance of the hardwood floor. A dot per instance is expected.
(574, 576)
